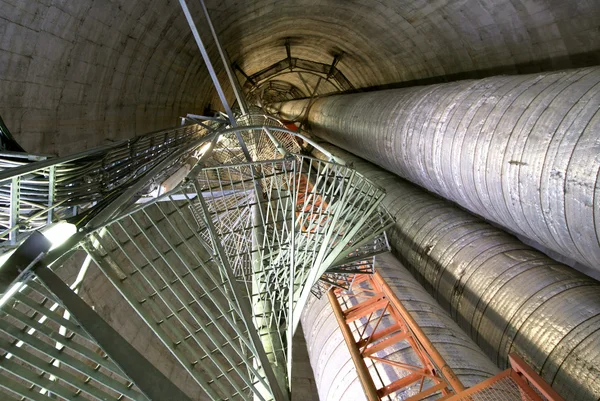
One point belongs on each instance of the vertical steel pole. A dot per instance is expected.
(278, 393)
(359, 363)
(209, 66)
(304, 83)
(51, 184)
(310, 103)
(263, 309)
(14, 208)
(288, 52)
(232, 78)
(213, 75)
(290, 327)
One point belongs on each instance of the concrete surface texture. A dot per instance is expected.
(75, 74)
(303, 379)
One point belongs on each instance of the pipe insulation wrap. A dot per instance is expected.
(507, 296)
(335, 375)
(521, 151)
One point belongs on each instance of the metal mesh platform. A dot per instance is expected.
(216, 235)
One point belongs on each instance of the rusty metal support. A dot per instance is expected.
(370, 300)
(522, 369)
(359, 362)
(519, 383)
(432, 352)
(376, 301)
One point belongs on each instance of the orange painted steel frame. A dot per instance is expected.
(522, 375)
(524, 371)
(380, 298)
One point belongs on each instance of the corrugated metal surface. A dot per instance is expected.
(522, 151)
(506, 295)
(334, 371)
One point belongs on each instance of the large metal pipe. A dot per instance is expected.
(335, 375)
(521, 151)
(507, 296)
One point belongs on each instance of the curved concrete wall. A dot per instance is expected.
(334, 370)
(507, 296)
(521, 151)
(76, 73)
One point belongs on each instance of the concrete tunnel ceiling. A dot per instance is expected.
(79, 74)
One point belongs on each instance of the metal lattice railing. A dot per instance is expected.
(34, 193)
(218, 243)
(162, 261)
(46, 353)
(171, 250)
(517, 383)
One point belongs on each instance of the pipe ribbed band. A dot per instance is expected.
(521, 151)
(335, 375)
(506, 295)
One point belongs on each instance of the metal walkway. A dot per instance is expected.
(215, 234)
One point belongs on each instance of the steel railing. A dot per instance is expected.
(220, 266)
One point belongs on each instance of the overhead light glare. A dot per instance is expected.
(58, 233)
(11, 291)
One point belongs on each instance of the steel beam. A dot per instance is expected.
(207, 62)
(145, 375)
(359, 363)
(226, 64)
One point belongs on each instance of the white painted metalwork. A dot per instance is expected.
(221, 265)
(36, 192)
(47, 354)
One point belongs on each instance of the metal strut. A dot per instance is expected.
(370, 301)
(377, 301)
